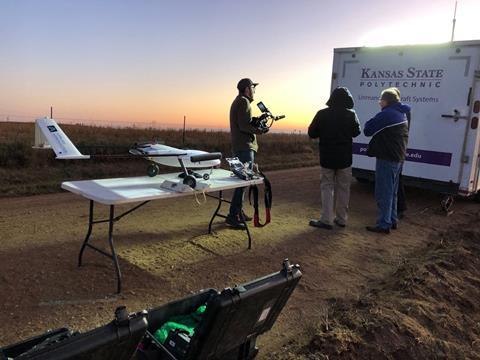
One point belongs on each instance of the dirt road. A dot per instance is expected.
(165, 254)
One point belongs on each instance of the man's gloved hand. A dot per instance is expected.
(265, 130)
(263, 116)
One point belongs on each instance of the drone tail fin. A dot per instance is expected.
(48, 135)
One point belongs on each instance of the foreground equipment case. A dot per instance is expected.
(233, 319)
(117, 340)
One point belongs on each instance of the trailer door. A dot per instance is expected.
(471, 178)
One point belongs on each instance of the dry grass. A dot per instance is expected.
(426, 309)
(24, 171)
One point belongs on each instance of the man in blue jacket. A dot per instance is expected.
(389, 131)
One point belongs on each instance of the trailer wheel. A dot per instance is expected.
(476, 197)
(447, 204)
(152, 170)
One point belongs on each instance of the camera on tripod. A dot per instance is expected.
(265, 121)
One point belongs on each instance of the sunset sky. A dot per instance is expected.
(154, 61)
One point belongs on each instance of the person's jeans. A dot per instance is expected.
(401, 198)
(387, 174)
(335, 189)
(237, 199)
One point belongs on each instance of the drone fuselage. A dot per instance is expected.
(170, 156)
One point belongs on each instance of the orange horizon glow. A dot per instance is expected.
(156, 62)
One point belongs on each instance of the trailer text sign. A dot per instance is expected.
(411, 77)
(415, 155)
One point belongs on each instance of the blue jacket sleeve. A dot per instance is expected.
(374, 124)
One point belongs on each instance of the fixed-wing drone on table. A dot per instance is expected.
(49, 135)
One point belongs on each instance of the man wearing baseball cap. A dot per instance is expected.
(244, 144)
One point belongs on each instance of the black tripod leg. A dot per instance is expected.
(89, 232)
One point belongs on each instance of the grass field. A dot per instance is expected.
(25, 171)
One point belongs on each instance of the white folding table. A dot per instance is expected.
(144, 189)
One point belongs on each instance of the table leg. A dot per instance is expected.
(215, 214)
(89, 232)
(248, 233)
(220, 200)
(112, 255)
(112, 248)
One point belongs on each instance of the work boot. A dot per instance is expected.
(235, 223)
(245, 217)
(377, 229)
(338, 223)
(319, 224)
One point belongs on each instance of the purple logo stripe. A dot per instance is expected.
(415, 155)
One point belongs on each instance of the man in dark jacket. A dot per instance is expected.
(244, 145)
(389, 131)
(335, 127)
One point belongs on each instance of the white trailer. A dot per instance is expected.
(442, 84)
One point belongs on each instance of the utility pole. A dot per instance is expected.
(454, 20)
(51, 112)
(183, 136)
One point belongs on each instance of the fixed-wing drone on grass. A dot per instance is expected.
(49, 135)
